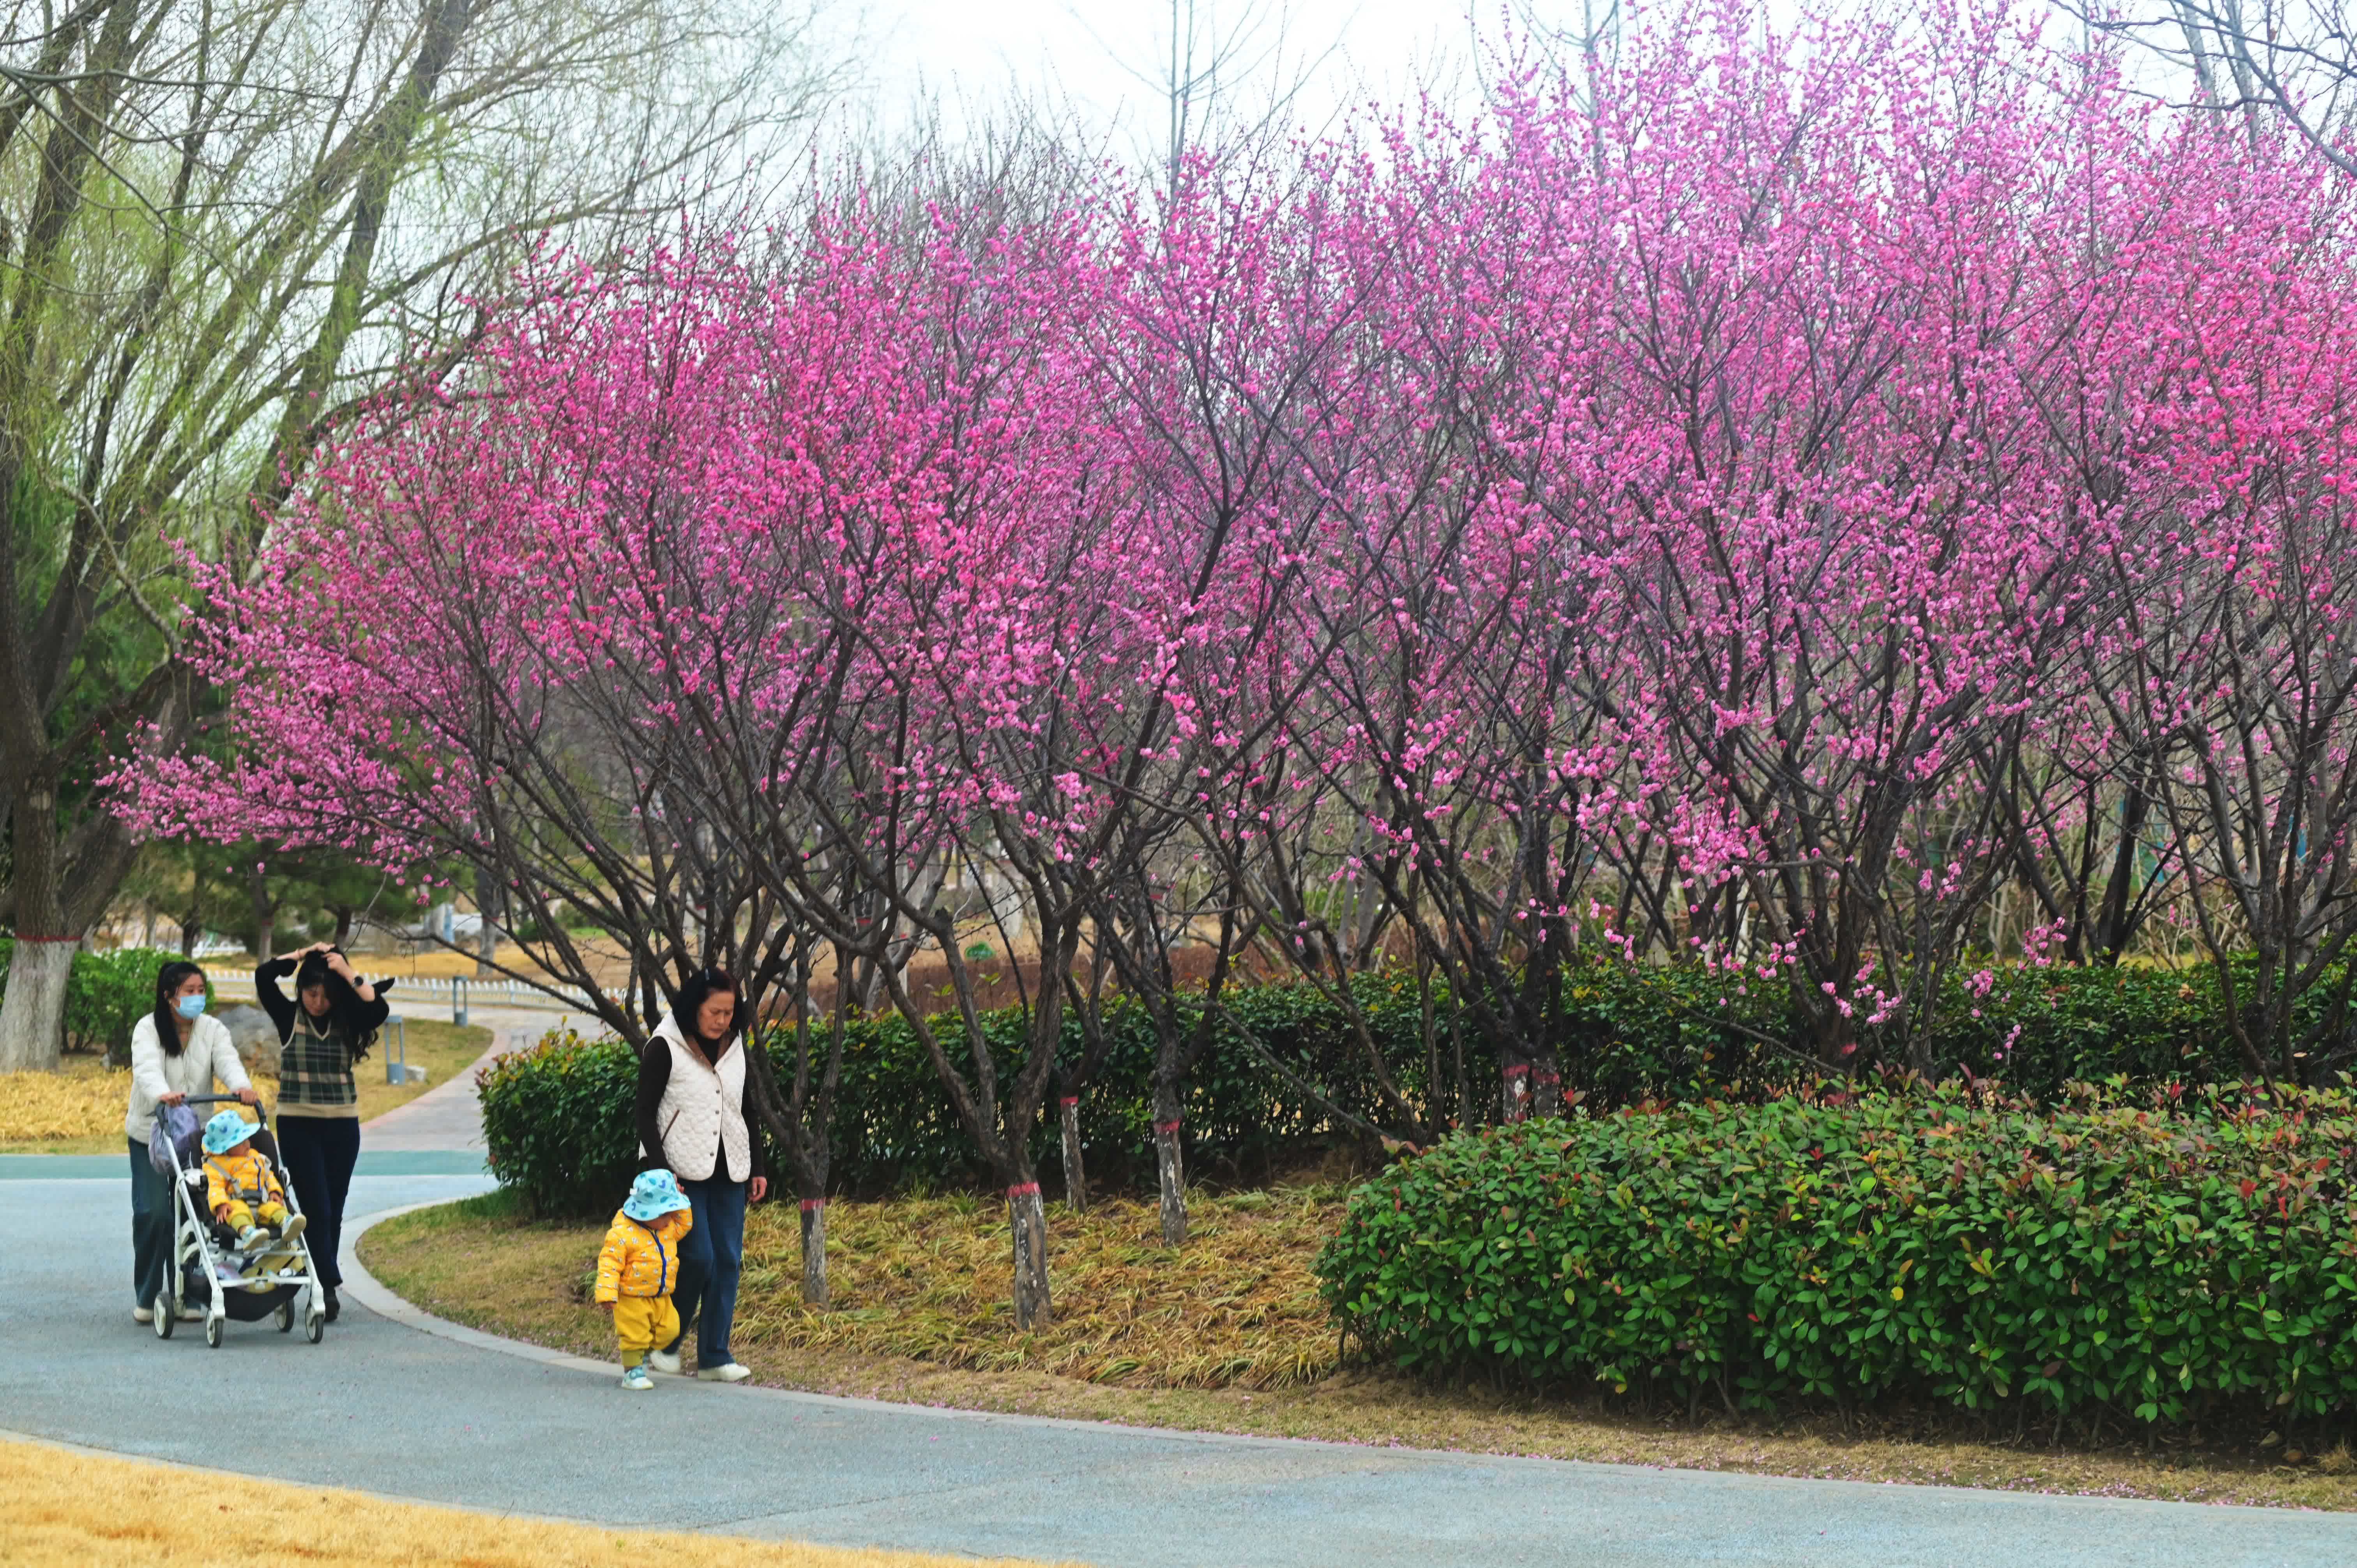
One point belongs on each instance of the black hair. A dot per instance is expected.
(168, 980)
(345, 1007)
(699, 989)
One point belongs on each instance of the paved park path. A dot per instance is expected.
(447, 1116)
(399, 1403)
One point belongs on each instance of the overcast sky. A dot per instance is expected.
(1092, 53)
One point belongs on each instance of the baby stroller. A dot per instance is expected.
(209, 1269)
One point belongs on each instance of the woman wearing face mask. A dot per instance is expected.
(329, 1026)
(177, 1050)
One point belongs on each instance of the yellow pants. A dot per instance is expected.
(237, 1215)
(643, 1322)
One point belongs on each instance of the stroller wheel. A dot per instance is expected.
(314, 1326)
(167, 1312)
(284, 1316)
(213, 1329)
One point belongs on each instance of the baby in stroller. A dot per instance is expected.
(243, 1191)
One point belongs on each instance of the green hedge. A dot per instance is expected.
(2161, 1263)
(1674, 1033)
(107, 994)
(557, 1121)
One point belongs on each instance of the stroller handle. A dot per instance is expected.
(229, 1100)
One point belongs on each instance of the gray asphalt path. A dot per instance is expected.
(385, 1407)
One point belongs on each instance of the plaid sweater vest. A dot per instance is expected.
(315, 1069)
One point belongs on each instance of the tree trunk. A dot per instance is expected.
(1170, 1162)
(1515, 1097)
(33, 1015)
(814, 1291)
(487, 935)
(1547, 1089)
(257, 893)
(1028, 1219)
(1076, 1176)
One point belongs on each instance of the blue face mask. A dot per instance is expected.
(192, 1006)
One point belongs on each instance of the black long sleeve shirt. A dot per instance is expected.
(281, 1006)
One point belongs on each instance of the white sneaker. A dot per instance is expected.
(635, 1378)
(726, 1373)
(190, 1314)
(143, 1314)
(664, 1361)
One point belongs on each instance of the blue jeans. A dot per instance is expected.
(711, 1256)
(152, 1225)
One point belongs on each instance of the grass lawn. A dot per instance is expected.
(78, 1109)
(1228, 1335)
(73, 1509)
(444, 1050)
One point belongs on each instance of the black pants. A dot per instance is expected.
(320, 1152)
(151, 1222)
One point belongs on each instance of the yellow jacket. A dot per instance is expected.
(241, 1178)
(640, 1259)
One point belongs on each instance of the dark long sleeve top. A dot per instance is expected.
(281, 1006)
(655, 1076)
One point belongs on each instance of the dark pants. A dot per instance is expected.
(319, 1152)
(711, 1256)
(151, 1222)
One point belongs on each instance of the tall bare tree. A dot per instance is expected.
(223, 223)
(2260, 64)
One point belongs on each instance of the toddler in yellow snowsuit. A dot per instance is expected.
(638, 1268)
(242, 1190)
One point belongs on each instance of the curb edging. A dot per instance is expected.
(368, 1291)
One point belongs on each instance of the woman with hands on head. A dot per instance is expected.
(177, 1049)
(691, 1119)
(326, 1029)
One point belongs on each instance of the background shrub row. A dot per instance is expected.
(557, 1119)
(2159, 1263)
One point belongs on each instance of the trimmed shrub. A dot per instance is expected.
(557, 1122)
(2159, 1263)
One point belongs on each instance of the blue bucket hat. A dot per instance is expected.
(226, 1131)
(652, 1195)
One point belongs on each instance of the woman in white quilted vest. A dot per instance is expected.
(693, 1121)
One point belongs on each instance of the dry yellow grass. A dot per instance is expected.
(928, 1279)
(76, 1509)
(83, 1101)
(1237, 1307)
(604, 956)
(58, 1107)
(80, 1108)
